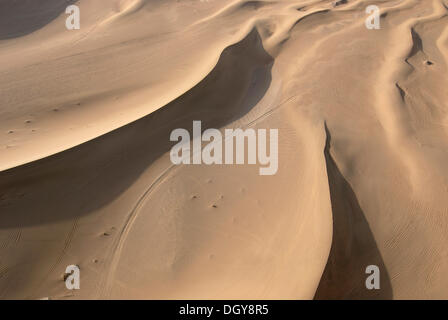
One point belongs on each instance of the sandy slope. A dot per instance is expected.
(86, 178)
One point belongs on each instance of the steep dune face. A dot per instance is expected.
(87, 180)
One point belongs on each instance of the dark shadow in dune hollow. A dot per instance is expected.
(21, 17)
(353, 245)
(85, 178)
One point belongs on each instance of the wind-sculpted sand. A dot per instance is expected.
(86, 177)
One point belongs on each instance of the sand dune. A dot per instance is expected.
(86, 177)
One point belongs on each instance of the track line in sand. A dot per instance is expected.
(284, 9)
(116, 250)
(279, 23)
(60, 256)
(117, 247)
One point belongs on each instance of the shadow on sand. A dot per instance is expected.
(83, 179)
(21, 17)
(353, 245)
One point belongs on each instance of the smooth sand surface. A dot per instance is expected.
(86, 177)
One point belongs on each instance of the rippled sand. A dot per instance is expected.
(85, 171)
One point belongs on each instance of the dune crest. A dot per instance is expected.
(85, 171)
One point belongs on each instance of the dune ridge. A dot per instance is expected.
(86, 178)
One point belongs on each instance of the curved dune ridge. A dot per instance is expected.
(86, 177)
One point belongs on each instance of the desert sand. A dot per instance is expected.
(85, 171)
